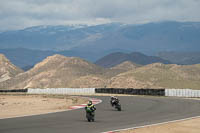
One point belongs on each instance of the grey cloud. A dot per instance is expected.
(16, 14)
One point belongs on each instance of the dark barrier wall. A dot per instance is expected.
(131, 91)
(19, 90)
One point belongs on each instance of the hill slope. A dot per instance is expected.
(59, 71)
(159, 76)
(7, 69)
(127, 65)
(54, 71)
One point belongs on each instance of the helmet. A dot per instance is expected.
(115, 98)
(89, 102)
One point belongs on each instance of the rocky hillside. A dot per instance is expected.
(7, 69)
(127, 65)
(60, 71)
(56, 71)
(159, 75)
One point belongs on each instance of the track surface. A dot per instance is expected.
(137, 111)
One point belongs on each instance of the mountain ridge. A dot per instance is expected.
(147, 38)
(99, 40)
(182, 58)
(116, 58)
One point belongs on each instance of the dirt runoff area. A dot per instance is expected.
(22, 105)
(187, 126)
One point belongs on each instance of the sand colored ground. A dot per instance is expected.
(188, 126)
(20, 105)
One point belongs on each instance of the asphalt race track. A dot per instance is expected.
(137, 111)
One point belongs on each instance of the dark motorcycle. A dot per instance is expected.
(116, 105)
(90, 115)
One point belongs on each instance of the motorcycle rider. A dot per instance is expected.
(114, 100)
(90, 108)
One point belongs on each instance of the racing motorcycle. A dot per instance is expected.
(90, 115)
(116, 104)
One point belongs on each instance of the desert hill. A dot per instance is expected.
(159, 75)
(54, 71)
(7, 69)
(126, 65)
(120, 68)
(59, 71)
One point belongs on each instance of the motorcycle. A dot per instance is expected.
(116, 105)
(90, 115)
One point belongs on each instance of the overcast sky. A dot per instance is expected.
(17, 14)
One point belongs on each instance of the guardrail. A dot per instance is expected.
(182, 93)
(153, 92)
(62, 91)
(131, 91)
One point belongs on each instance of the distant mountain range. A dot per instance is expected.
(54, 37)
(104, 39)
(117, 58)
(27, 47)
